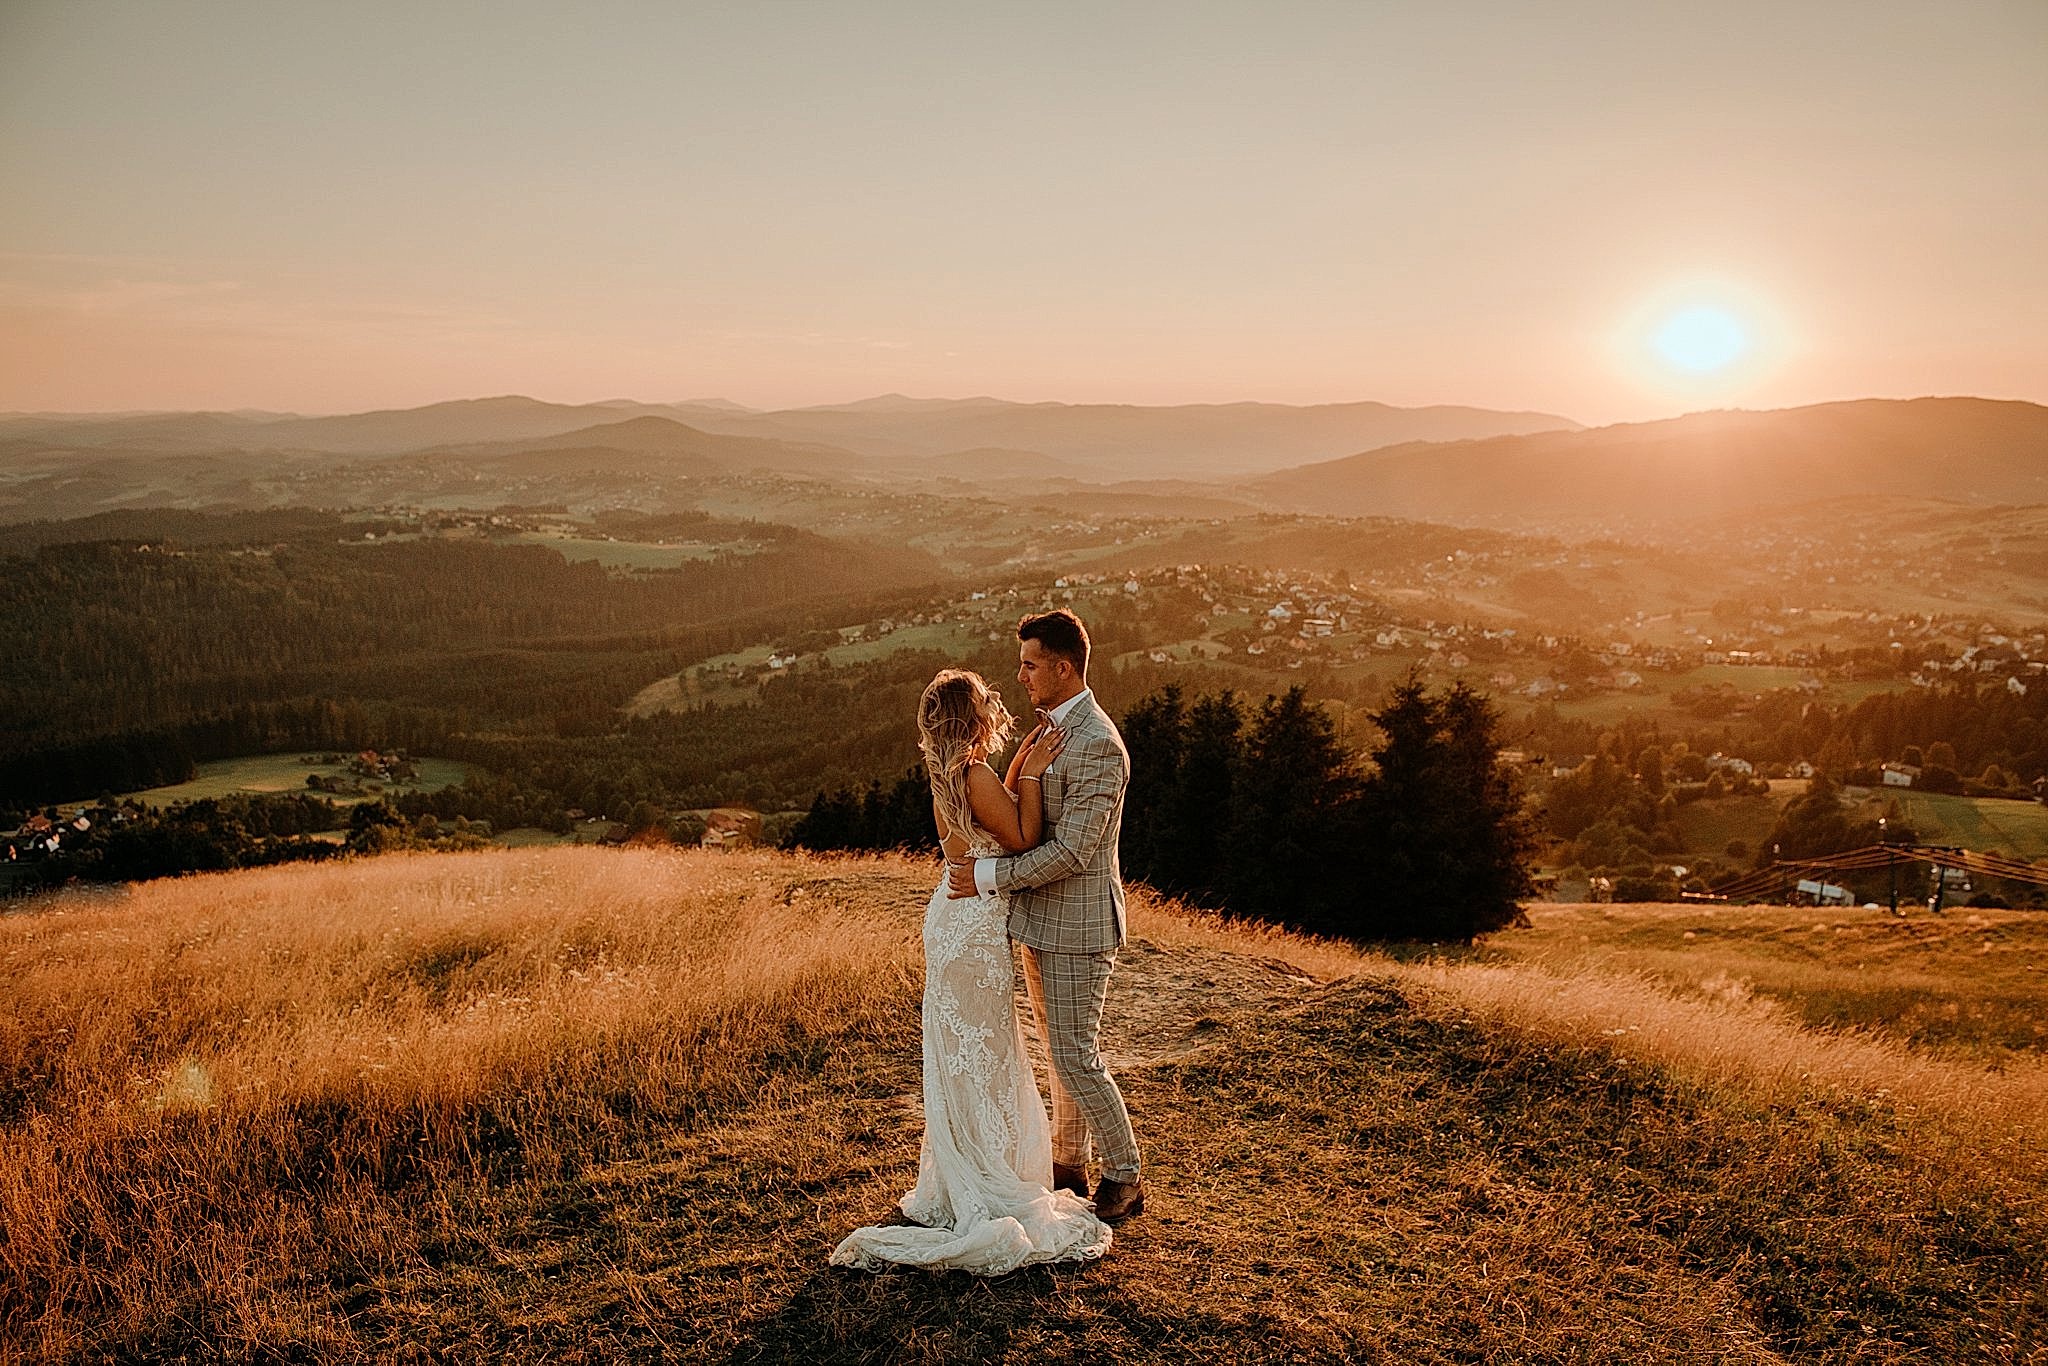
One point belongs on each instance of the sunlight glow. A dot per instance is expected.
(1706, 337)
(1701, 340)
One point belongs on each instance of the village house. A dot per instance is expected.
(1900, 775)
(731, 827)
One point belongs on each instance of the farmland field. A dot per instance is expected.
(948, 638)
(282, 774)
(2018, 828)
(621, 554)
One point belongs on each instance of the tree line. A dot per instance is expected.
(1263, 811)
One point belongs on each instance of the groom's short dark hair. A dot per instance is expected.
(1058, 632)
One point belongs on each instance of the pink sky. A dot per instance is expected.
(338, 208)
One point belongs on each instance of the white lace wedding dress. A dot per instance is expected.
(981, 1200)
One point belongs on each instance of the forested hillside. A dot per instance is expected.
(110, 636)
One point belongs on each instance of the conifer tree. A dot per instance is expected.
(1155, 733)
(1195, 842)
(1448, 838)
(1292, 845)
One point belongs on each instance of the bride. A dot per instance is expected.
(982, 1202)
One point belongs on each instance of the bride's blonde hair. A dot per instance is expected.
(960, 719)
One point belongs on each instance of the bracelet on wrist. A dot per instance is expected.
(1028, 778)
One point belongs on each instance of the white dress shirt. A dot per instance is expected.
(985, 868)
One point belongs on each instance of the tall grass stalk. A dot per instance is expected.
(211, 1088)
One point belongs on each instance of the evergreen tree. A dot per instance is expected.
(1448, 838)
(1292, 848)
(829, 824)
(1155, 733)
(1195, 842)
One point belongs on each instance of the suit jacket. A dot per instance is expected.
(1067, 895)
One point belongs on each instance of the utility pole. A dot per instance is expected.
(1891, 860)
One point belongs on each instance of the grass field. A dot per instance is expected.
(2017, 828)
(697, 683)
(621, 554)
(951, 639)
(273, 774)
(587, 1105)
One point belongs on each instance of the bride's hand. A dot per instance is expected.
(1042, 751)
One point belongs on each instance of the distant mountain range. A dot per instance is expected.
(1111, 442)
(1688, 468)
(1469, 466)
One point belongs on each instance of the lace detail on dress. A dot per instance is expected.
(986, 1159)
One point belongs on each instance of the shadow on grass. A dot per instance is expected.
(842, 1315)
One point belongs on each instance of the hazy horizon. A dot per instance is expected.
(1590, 209)
(711, 399)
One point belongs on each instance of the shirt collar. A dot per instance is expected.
(1060, 713)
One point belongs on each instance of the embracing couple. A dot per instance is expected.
(1030, 859)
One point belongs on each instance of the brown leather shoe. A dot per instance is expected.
(1073, 1179)
(1116, 1200)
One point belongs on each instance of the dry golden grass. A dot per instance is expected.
(216, 1086)
(581, 1104)
(1968, 983)
(1731, 996)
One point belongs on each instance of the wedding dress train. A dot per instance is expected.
(981, 1201)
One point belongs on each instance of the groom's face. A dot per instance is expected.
(1043, 675)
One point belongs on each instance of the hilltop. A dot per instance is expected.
(589, 1105)
(1122, 440)
(1691, 468)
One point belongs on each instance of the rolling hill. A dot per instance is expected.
(1126, 441)
(650, 435)
(594, 1105)
(1702, 465)
(1115, 441)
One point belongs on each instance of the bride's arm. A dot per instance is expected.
(1002, 815)
(1031, 809)
(1017, 821)
(1017, 759)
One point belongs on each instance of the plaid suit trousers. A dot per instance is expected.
(1067, 991)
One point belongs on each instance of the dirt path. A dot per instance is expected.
(1165, 1003)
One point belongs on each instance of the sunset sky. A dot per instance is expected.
(1608, 210)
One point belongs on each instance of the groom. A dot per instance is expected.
(1067, 911)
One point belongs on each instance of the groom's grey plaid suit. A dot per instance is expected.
(1067, 911)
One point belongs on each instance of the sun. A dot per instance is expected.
(1701, 340)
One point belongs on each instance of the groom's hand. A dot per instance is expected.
(960, 880)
